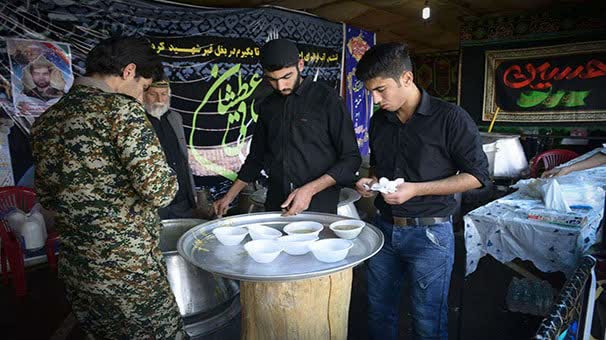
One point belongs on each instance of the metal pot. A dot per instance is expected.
(346, 207)
(206, 302)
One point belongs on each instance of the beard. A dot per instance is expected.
(287, 92)
(157, 109)
(42, 84)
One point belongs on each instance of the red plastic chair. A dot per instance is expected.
(11, 253)
(550, 159)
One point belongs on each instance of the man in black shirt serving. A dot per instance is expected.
(436, 148)
(304, 139)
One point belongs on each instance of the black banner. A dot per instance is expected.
(210, 56)
(556, 83)
(559, 83)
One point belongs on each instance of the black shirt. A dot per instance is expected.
(180, 207)
(439, 140)
(297, 139)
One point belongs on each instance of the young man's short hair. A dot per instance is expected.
(385, 60)
(110, 57)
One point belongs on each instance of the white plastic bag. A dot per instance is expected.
(553, 197)
(30, 226)
(575, 190)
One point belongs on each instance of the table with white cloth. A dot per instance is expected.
(503, 230)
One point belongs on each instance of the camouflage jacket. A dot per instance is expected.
(100, 167)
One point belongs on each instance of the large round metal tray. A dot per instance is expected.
(200, 247)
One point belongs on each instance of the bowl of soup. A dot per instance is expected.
(304, 230)
(347, 229)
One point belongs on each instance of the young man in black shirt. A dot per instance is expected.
(436, 148)
(303, 138)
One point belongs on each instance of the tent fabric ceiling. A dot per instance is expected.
(400, 20)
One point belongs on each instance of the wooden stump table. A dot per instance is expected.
(315, 308)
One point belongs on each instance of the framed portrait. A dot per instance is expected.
(559, 83)
(41, 74)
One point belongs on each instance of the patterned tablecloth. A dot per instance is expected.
(502, 229)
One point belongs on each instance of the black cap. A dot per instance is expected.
(279, 52)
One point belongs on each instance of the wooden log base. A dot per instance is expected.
(313, 309)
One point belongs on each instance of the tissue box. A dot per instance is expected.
(575, 218)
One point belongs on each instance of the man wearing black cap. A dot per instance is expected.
(304, 139)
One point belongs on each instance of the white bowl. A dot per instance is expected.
(304, 230)
(294, 245)
(347, 229)
(230, 236)
(263, 251)
(331, 249)
(262, 232)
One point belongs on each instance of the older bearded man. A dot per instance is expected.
(169, 129)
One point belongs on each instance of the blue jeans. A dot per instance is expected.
(423, 256)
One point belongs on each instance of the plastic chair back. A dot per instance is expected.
(550, 159)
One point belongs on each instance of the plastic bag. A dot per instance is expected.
(575, 190)
(553, 197)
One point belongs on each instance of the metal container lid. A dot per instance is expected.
(259, 196)
(347, 196)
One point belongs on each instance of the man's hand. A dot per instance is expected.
(221, 205)
(405, 192)
(360, 186)
(298, 200)
(556, 172)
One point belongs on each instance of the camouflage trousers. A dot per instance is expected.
(123, 310)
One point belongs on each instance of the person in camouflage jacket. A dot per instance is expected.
(100, 168)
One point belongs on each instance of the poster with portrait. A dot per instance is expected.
(41, 73)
